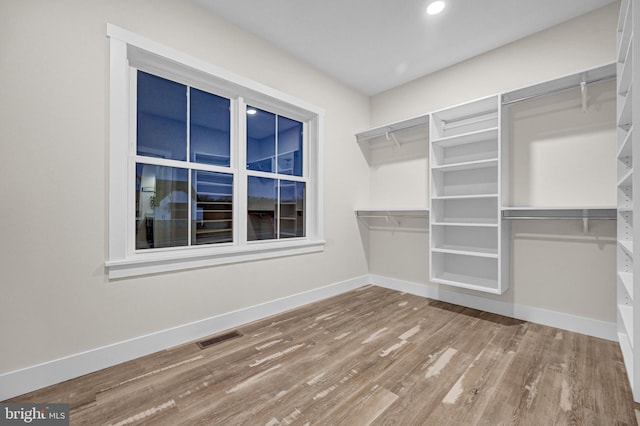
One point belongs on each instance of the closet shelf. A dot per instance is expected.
(557, 213)
(624, 82)
(624, 27)
(603, 73)
(627, 282)
(467, 281)
(627, 246)
(464, 197)
(389, 133)
(409, 219)
(467, 251)
(468, 224)
(386, 213)
(626, 179)
(467, 165)
(625, 147)
(626, 313)
(624, 116)
(467, 138)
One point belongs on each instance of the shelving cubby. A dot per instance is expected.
(465, 177)
(627, 188)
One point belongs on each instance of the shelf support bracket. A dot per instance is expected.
(390, 137)
(585, 225)
(583, 90)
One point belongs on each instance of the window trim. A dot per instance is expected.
(128, 50)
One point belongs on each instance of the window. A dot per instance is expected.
(192, 204)
(206, 167)
(275, 205)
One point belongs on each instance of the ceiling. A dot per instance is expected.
(375, 45)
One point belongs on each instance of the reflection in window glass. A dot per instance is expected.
(212, 212)
(162, 118)
(209, 128)
(261, 208)
(162, 206)
(292, 206)
(261, 140)
(289, 147)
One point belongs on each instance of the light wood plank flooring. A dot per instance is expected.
(368, 357)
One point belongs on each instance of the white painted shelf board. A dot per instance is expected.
(626, 312)
(626, 179)
(400, 212)
(627, 33)
(464, 197)
(467, 281)
(559, 213)
(625, 148)
(593, 75)
(624, 82)
(461, 112)
(382, 131)
(467, 138)
(627, 281)
(478, 224)
(627, 246)
(467, 165)
(624, 116)
(627, 354)
(467, 251)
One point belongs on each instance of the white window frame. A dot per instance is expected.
(128, 52)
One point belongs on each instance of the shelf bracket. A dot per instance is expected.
(583, 90)
(585, 225)
(391, 137)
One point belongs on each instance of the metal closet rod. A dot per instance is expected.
(605, 73)
(391, 131)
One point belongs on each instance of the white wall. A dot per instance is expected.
(560, 156)
(56, 299)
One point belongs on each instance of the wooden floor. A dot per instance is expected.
(370, 356)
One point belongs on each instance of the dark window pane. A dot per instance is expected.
(162, 118)
(261, 208)
(261, 140)
(292, 207)
(289, 147)
(210, 135)
(212, 212)
(162, 206)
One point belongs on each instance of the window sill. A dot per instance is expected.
(152, 263)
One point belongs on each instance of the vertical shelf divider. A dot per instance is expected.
(628, 187)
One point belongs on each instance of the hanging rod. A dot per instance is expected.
(560, 214)
(580, 79)
(411, 123)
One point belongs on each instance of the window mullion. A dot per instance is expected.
(277, 170)
(240, 184)
(190, 196)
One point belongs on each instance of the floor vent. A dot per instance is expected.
(217, 339)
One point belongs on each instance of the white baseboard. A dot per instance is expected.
(588, 326)
(31, 378)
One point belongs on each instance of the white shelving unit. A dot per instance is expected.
(628, 271)
(467, 238)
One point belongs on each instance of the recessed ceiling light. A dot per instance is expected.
(435, 7)
(251, 111)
